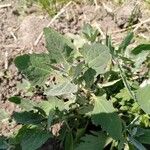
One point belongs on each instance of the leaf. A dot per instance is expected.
(50, 118)
(34, 139)
(104, 114)
(108, 83)
(69, 141)
(3, 115)
(143, 98)
(3, 144)
(27, 117)
(36, 67)
(97, 57)
(89, 32)
(75, 71)
(140, 48)
(62, 88)
(145, 136)
(59, 47)
(51, 104)
(26, 105)
(126, 41)
(136, 143)
(89, 77)
(92, 142)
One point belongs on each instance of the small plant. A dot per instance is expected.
(51, 6)
(95, 100)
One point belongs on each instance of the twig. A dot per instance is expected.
(108, 9)
(5, 5)
(53, 19)
(136, 26)
(13, 35)
(141, 23)
(9, 46)
(6, 60)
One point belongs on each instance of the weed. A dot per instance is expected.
(95, 101)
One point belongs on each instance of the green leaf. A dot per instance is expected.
(97, 57)
(51, 104)
(36, 67)
(27, 117)
(3, 115)
(50, 118)
(126, 41)
(62, 88)
(140, 48)
(136, 143)
(59, 47)
(143, 98)
(3, 143)
(92, 142)
(34, 139)
(104, 114)
(144, 137)
(89, 32)
(75, 71)
(89, 77)
(26, 105)
(69, 141)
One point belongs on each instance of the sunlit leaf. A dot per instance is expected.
(140, 48)
(97, 57)
(105, 115)
(62, 88)
(36, 67)
(143, 98)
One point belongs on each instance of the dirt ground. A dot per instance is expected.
(20, 26)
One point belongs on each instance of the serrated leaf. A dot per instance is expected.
(123, 95)
(140, 48)
(27, 118)
(143, 98)
(59, 47)
(34, 139)
(104, 114)
(92, 142)
(62, 88)
(97, 57)
(51, 104)
(36, 67)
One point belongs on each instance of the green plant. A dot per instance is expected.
(51, 6)
(95, 100)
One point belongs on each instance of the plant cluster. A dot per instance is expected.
(97, 95)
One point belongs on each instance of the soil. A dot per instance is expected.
(19, 30)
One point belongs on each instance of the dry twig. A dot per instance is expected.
(5, 6)
(53, 19)
(136, 26)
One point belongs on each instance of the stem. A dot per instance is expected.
(125, 81)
